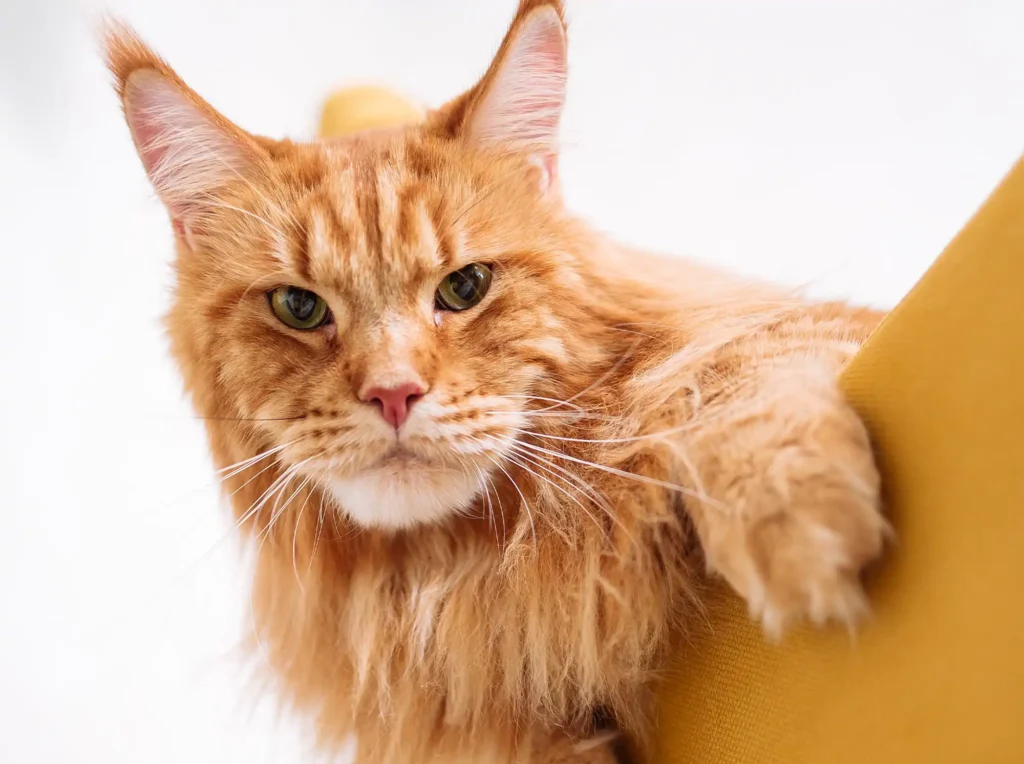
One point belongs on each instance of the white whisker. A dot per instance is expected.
(632, 476)
(501, 510)
(492, 520)
(526, 504)
(607, 441)
(319, 529)
(237, 467)
(540, 398)
(295, 533)
(278, 483)
(279, 510)
(261, 471)
(597, 382)
(518, 461)
(287, 478)
(575, 481)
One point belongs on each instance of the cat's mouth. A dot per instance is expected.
(394, 459)
(400, 456)
(402, 488)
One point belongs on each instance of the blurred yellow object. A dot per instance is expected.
(353, 109)
(937, 676)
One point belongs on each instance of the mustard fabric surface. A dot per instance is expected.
(937, 675)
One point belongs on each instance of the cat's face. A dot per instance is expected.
(386, 313)
(386, 327)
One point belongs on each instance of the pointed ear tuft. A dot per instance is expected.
(125, 52)
(187, 148)
(518, 102)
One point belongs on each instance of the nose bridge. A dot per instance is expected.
(396, 354)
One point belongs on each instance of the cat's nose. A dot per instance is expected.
(395, 402)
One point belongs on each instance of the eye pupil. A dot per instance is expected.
(298, 308)
(301, 303)
(464, 288)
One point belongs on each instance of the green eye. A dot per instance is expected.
(464, 288)
(298, 308)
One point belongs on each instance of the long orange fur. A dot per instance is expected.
(631, 420)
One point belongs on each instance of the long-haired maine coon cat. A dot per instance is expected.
(488, 453)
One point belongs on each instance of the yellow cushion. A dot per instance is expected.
(353, 109)
(937, 676)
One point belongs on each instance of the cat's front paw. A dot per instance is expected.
(806, 570)
(801, 521)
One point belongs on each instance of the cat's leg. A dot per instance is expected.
(789, 509)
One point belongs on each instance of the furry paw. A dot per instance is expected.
(805, 570)
(801, 520)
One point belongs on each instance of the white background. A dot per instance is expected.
(837, 144)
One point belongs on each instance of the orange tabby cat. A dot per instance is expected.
(479, 444)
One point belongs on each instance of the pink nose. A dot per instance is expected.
(395, 402)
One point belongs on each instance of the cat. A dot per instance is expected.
(487, 454)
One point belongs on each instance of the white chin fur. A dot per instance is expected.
(404, 497)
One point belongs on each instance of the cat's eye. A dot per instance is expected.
(298, 308)
(464, 288)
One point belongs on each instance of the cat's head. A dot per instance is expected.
(385, 313)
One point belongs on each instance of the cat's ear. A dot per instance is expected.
(518, 102)
(188, 149)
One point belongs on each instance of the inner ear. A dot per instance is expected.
(518, 103)
(188, 149)
(521, 104)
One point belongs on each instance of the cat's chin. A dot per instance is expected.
(404, 493)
